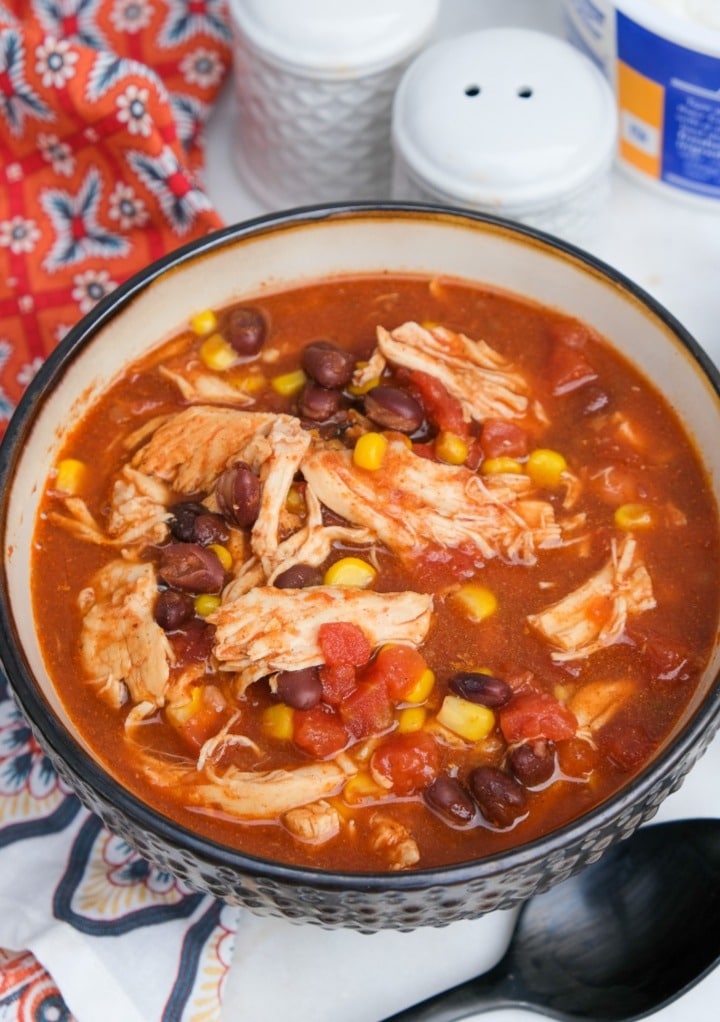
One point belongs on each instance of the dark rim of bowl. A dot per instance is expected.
(705, 719)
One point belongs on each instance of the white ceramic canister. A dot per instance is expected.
(663, 60)
(314, 83)
(509, 121)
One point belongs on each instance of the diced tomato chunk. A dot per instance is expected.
(200, 718)
(342, 642)
(627, 745)
(576, 757)
(338, 682)
(569, 369)
(368, 710)
(536, 716)
(410, 761)
(444, 410)
(400, 668)
(319, 731)
(500, 439)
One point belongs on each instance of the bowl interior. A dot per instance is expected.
(287, 250)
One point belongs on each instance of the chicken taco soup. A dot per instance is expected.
(379, 573)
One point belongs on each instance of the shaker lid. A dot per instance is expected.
(336, 37)
(504, 117)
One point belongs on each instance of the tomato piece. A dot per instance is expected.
(201, 717)
(319, 731)
(569, 369)
(193, 642)
(576, 757)
(342, 642)
(368, 710)
(440, 406)
(536, 716)
(408, 761)
(500, 439)
(627, 745)
(400, 668)
(337, 682)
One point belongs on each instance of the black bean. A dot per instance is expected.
(173, 609)
(182, 522)
(447, 797)
(238, 494)
(500, 798)
(318, 403)
(300, 689)
(327, 364)
(246, 331)
(191, 568)
(394, 408)
(210, 528)
(480, 688)
(533, 762)
(194, 641)
(298, 577)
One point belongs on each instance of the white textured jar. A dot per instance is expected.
(508, 121)
(314, 83)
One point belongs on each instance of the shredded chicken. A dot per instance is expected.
(594, 615)
(200, 387)
(597, 702)
(123, 651)
(270, 629)
(315, 824)
(410, 502)
(393, 841)
(485, 383)
(190, 450)
(252, 795)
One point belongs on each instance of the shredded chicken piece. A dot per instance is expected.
(199, 387)
(486, 384)
(316, 823)
(190, 450)
(393, 840)
(410, 502)
(268, 629)
(248, 794)
(597, 702)
(594, 615)
(122, 649)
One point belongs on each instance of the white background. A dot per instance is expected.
(304, 974)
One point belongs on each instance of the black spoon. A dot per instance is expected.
(616, 942)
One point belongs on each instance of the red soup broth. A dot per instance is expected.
(392, 600)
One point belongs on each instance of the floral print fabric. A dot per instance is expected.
(102, 110)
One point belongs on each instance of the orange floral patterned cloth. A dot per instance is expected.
(102, 109)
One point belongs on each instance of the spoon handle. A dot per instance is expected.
(474, 997)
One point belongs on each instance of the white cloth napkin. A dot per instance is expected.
(123, 940)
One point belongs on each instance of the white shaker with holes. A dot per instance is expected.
(314, 83)
(506, 121)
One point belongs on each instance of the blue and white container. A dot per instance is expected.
(663, 60)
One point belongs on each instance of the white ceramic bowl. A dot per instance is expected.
(240, 262)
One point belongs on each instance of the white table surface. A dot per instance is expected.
(283, 971)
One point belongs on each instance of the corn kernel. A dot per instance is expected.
(278, 722)
(412, 718)
(477, 601)
(71, 475)
(545, 468)
(252, 383)
(203, 323)
(471, 721)
(216, 353)
(223, 555)
(288, 384)
(634, 517)
(357, 390)
(500, 466)
(362, 788)
(205, 604)
(350, 571)
(451, 448)
(295, 501)
(422, 687)
(369, 451)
